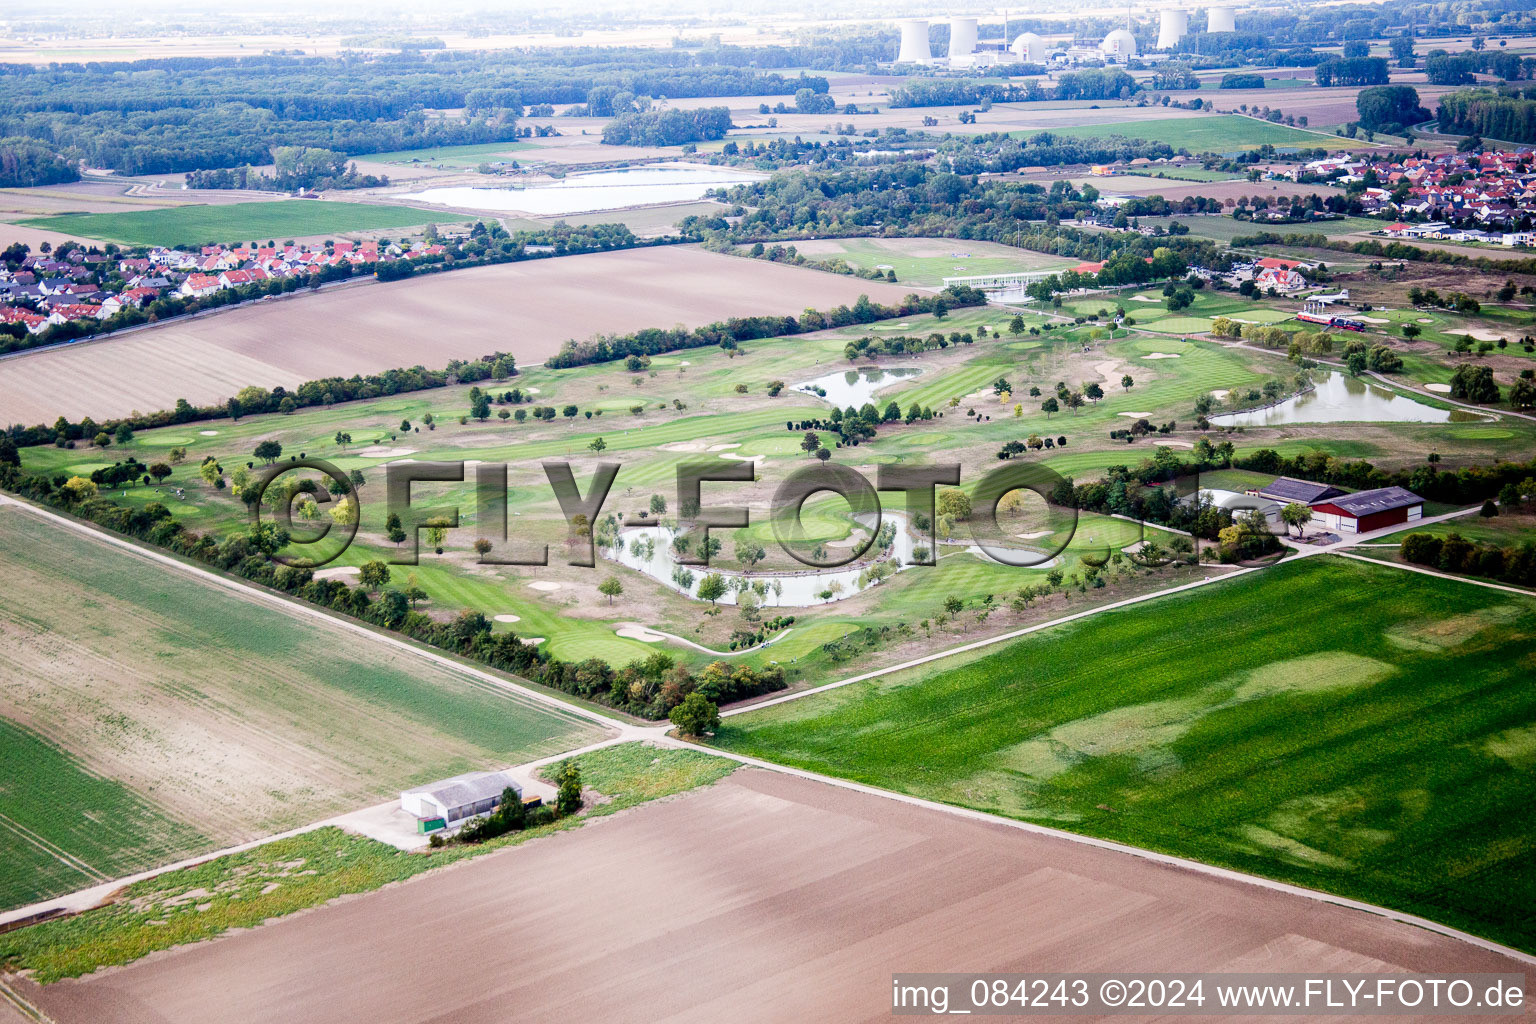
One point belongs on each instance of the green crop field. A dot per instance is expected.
(452, 156)
(184, 716)
(1219, 133)
(238, 222)
(1241, 725)
(63, 828)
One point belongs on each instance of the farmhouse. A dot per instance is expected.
(451, 801)
(1288, 489)
(1364, 511)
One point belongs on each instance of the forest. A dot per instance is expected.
(1504, 114)
(670, 127)
(24, 163)
(183, 114)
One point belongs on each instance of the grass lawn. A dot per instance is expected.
(237, 222)
(927, 261)
(1219, 133)
(1382, 751)
(1224, 229)
(244, 889)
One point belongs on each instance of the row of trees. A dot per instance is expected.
(1454, 553)
(727, 334)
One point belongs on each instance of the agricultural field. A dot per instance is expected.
(788, 887)
(250, 887)
(199, 225)
(528, 309)
(172, 716)
(1218, 133)
(1241, 728)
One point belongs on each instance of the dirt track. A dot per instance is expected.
(529, 309)
(765, 897)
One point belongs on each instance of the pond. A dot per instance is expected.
(802, 588)
(598, 190)
(1340, 398)
(855, 387)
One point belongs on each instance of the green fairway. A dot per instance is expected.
(1219, 133)
(1346, 727)
(237, 222)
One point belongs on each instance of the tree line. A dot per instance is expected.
(727, 333)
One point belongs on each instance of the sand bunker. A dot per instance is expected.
(378, 451)
(1175, 444)
(1161, 355)
(1033, 536)
(1426, 320)
(532, 641)
(1439, 389)
(684, 362)
(1220, 393)
(532, 391)
(724, 447)
(1145, 298)
(337, 572)
(682, 446)
(509, 618)
(545, 585)
(1135, 415)
(740, 458)
(636, 631)
(1107, 370)
(1478, 334)
(209, 433)
(1373, 319)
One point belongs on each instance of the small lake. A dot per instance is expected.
(795, 589)
(598, 190)
(855, 387)
(1340, 398)
(799, 589)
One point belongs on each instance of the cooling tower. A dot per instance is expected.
(914, 42)
(1220, 20)
(1173, 27)
(1030, 48)
(962, 37)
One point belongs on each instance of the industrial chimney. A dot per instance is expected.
(1220, 19)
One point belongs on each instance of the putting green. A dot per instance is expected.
(1482, 433)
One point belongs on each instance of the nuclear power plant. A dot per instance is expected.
(965, 49)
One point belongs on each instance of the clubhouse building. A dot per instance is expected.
(1337, 511)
